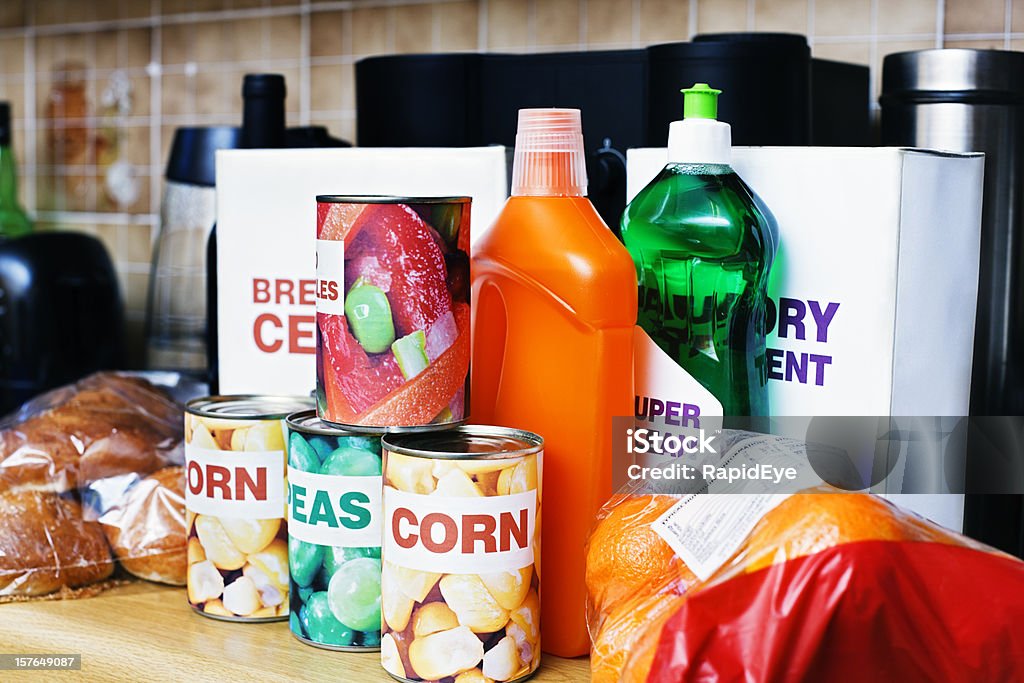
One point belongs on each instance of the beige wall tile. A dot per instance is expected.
(714, 16)
(12, 54)
(609, 22)
(293, 84)
(507, 24)
(133, 9)
(213, 92)
(907, 16)
(664, 21)
(854, 53)
(142, 86)
(339, 127)
(106, 50)
(12, 13)
(249, 39)
(326, 85)
(213, 41)
(788, 16)
(414, 28)
(177, 94)
(135, 291)
(975, 16)
(987, 44)
(166, 138)
(176, 42)
(285, 38)
(134, 47)
(842, 17)
(558, 23)
(135, 142)
(1018, 16)
(459, 25)
(327, 34)
(371, 30)
(137, 240)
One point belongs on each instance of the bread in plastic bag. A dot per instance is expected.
(88, 472)
(827, 585)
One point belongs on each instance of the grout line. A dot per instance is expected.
(693, 19)
(481, 26)
(635, 33)
(751, 14)
(531, 24)
(305, 80)
(811, 11)
(940, 22)
(29, 110)
(435, 30)
(1007, 24)
(584, 27)
(156, 111)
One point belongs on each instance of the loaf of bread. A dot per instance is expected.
(75, 482)
(45, 544)
(102, 426)
(146, 528)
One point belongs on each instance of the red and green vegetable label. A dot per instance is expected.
(392, 313)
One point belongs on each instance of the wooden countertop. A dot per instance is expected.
(146, 632)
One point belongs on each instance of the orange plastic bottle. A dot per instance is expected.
(554, 310)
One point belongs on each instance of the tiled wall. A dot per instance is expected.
(97, 87)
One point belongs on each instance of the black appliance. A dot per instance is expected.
(774, 93)
(61, 313)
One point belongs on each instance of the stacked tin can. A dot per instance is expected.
(456, 508)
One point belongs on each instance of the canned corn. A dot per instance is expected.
(392, 303)
(235, 506)
(334, 533)
(460, 590)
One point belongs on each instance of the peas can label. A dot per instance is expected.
(235, 497)
(392, 311)
(334, 524)
(461, 557)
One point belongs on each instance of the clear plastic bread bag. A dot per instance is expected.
(90, 480)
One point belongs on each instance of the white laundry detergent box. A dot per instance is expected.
(266, 243)
(874, 287)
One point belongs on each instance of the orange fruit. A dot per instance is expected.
(624, 647)
(807, 523)
(625, 556)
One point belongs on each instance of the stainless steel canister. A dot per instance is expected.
(973, 101)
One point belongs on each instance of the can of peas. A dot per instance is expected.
(334, 535)
(392, 303)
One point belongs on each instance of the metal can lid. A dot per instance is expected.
(387, 199)
(248, 406)
(469, 442)
(308, 422)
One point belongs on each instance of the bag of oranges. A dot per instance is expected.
(818, 585)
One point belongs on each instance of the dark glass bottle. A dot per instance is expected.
(262, 127)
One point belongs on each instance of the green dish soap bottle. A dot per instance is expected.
(703, 244)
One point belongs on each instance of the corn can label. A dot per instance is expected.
(392, 298)
(334, 524)
(461, 573)
(235, 494)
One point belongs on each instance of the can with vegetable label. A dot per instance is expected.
(235, 506)
(460, 588)
(392, 303)
(334, 534)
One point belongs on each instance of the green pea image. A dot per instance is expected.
(323, 445)
(369, 315)
(301, 455)
(321, 624)
(304, 593)
(294, 623)
(354, 594)
(334, 557)
(304, 560)
(371, 638)
(367, 443)
(352, 462)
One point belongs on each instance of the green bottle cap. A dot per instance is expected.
(700, 102)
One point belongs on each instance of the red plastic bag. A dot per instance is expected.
(825, 586)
